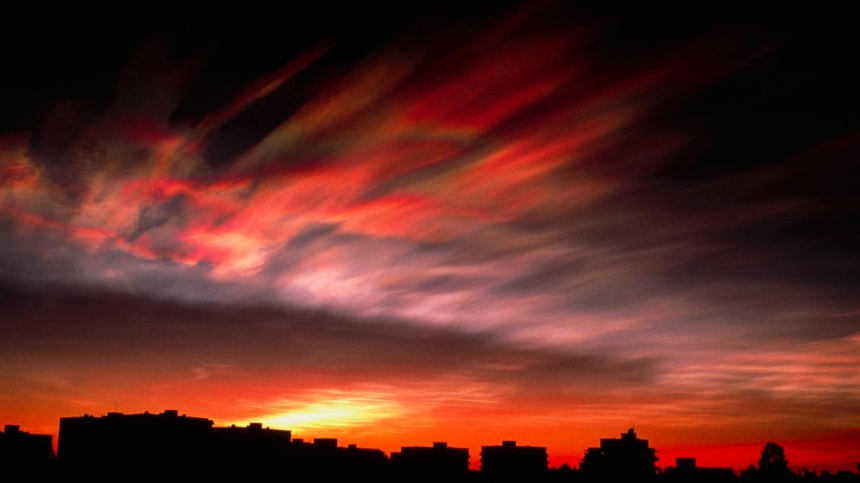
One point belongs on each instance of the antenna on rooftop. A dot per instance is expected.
(116, 397)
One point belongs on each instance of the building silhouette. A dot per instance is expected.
(685, 470)
(431, 462)
(172, 447)
(510, 462)
(361, 462)
(22, 453)
(627, 459)
(135, 446)
(323, 460)
(251, 453)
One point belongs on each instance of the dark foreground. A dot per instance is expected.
(170, 447)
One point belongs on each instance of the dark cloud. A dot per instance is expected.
(60, 147)
(153, 216)
(111, 328)
(310, 235)
(53, 259)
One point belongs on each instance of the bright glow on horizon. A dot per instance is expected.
(333, 412)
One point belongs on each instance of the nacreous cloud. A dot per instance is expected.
(519, 211)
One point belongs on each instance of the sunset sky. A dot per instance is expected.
(395, 225)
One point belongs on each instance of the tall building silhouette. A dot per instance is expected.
(626, 459)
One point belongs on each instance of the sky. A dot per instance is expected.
(544, 222)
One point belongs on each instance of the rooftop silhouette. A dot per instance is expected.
(22, 452)
(619, 460)
(510, 462)
(685, 469)
(431, 462)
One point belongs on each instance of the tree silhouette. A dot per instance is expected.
(772, 466)
(772, 458)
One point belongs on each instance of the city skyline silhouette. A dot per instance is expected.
(173, 447)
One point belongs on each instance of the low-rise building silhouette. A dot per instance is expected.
(24, 455)
(121, 446)
(324, 460)
(423, 462)
(167, 446)
(512, 462)
(362, 461)
(685, 470)
(626, 459)
(250, 453)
